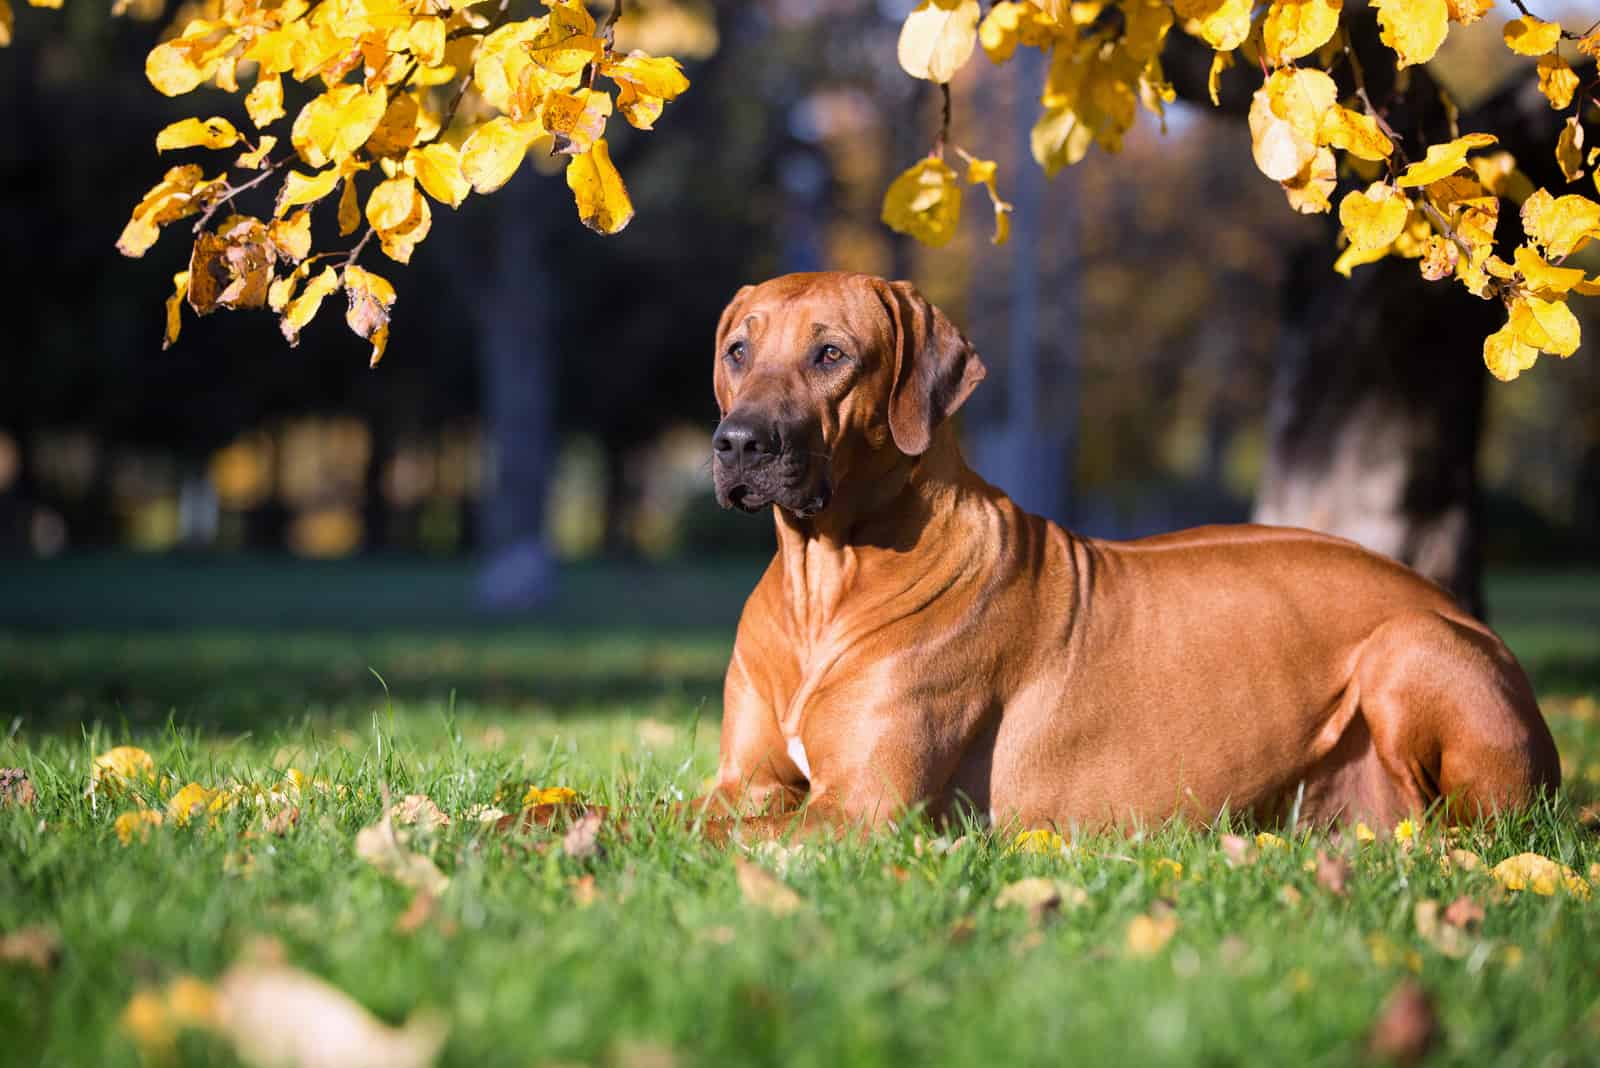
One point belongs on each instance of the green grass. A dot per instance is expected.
(898, 956)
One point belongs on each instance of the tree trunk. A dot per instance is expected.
(1375, 418)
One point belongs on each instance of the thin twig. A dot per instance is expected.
(608, 36)
(235, 190)
(355, 252)
(466, 79)
(944, 124)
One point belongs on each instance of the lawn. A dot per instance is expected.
(1175, 945)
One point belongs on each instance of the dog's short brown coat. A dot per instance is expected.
(920, 640)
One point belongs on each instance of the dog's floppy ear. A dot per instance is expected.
(730, 315)
(935, 368)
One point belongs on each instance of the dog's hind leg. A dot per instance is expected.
(1453, 716)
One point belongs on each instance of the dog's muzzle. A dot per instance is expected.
(757, 462)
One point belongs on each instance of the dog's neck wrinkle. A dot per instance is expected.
(899, 529)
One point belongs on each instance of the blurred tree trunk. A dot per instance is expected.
(1377, 409)
(1376, 415)
(514, 339)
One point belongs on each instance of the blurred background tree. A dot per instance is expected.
(1169, 345)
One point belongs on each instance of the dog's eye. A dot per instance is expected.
(829, 355)
(736, 352)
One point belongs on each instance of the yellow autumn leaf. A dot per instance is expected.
(1540, 874)
(1040, 841)
(1013, 22)
(303, 308)
(1529, 36)
(256, 158)
(181, 192)
(291, 236)
(549, 795)
(371, 297)
(332, 126)
(1296, 28)
(397, 130)
(400, 215)
(494, 151)
(1466, 12)
(7, 23)
(264, 101)
(437, 168)
(1355, 133)
(117, 767)
(937, 38)
(193, 133)
(597, 187)
(1506, 355)
(305, 188)
(1220, 62)
(1267, 840)
(1562, 225)
(1547, 325)
(180, 290)
(1309, 190)
(173, 70)
(1557, 81)
(1543, 279)
(189, 802)
(136, 823)
(1443, 160)
(657, 76)
(1413, 28)
(1223, 24)
(576, 120)
(1285, 118)
(924, 202)
(1147, 935)
(349, 207)
(1569, 149)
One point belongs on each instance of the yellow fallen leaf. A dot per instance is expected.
(549, 795)
(414, 809)
(1147, 935)
(1540, 874)
(118, 767)
(764, 890)
(1040, 898)
(136, 822)
(1040, 841)
(381, 847)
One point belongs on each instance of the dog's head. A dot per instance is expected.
(818, 374)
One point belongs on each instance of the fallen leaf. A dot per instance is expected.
(1407, 1025)
(1447, 938)
(1238, 850)
(584, 892)
(416, 914)
(418, 810)
(282, 821)
(764, 890)
(582, 839)
(379, 846)
(1464, 913)
(330, 1029)
(1530, 871)
(1041, 898)
(116, 768)
(1465, 859)
(1043, 841)
(38, 946)
(1333, 872)
(137, 822)
(15, 789)
(1289, 895)
(1147, 935)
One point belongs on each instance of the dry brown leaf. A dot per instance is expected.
(282, 821)
(1465, 859)
(1447, 938)
(1333, 872)
(419, 810)
(15, 789)
(379, 846)
(1239, 850)
(1041, 898)
(257, 1002)
(963, 929)
(584, 892)
(1407, 1025)
(764, 890)
(582, 839)
(38, 946)
(1464, 913)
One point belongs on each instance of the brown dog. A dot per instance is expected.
(919, 639)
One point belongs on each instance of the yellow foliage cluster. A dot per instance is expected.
(384, 125)
(1441, 209)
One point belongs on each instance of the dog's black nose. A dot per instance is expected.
(742, 441)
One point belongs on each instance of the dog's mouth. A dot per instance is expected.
(755, 491)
